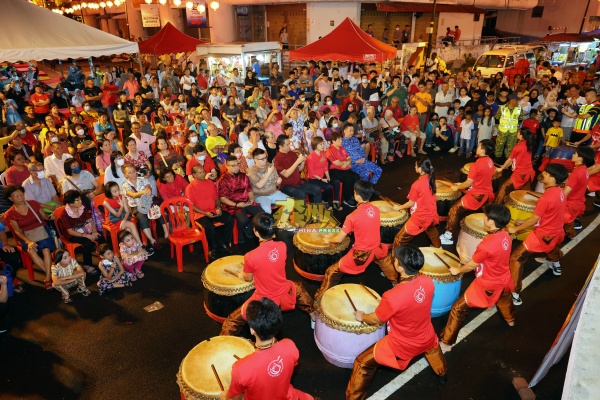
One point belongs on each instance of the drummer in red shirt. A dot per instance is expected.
(575, 189)
(493, 283)
(270, 368)
(406, 309)
(480, 191)
(548, 228)
(520, 162)
(364, 222)
(265, 265)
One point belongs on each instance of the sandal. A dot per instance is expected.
(19, 289)
(85, 292)
(90, 270)
(48, 285)
(67, 299)
(139, 274)
(337, 206)
(328, 207)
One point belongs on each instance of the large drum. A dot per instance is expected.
(312, 256)
(338, 334)
(224, 292)
(521, 206)
(495, 179)
(471, 234)
(445, 197)
(391, 222)
(196, 378)
(447, 286)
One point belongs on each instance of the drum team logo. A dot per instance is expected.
(420, 295)
(275, 367)
(479, 270)
(273, 255)
(505, 244)
(371, 212)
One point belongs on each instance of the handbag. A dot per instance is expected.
(149, 205)
(39, 233)
(178, 171)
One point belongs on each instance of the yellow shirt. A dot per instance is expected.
(213, 141)
(426, 97)
(3, 141)
(553, 136)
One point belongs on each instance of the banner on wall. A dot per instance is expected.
(150, 15)
(196, 19)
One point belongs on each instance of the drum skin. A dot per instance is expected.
(196, 379)
(445, 197)
(339, 336)
(495, 179)
(312, 256)
(521, 206)
(392, 221)
(447, 286)
(471, 234)
(224, 293)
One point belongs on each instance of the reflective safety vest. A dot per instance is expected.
(584, 125)
(509, 120)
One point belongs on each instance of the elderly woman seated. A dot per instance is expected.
(368, 171)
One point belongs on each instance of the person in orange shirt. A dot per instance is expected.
(423, 101)
(410, 128)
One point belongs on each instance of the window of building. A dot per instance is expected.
(537, 12)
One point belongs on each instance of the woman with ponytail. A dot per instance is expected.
(520, 162)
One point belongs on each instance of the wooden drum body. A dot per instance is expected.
(339, 336)
(224, 292)
(391, 222)
(521, 206)
(312, 256)
(495, 179)
(196, 379)
(447, 286)
(445, 197)
(471, 234)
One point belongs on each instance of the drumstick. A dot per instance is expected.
(389, 201)
(451, 256)
(236, 357)
(535, 194)
(446, 182)
(369, 291)
(217, 376)
(231, 273)
(442, 260)
(350, 299)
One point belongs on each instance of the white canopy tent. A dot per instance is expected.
(36, 33)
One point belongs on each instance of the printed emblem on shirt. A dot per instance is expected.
(490, 164)
(273, 255)
(370, 212)
(479, 271)
(420, 294)
(562, 196)
(505, 244)
(275, 367)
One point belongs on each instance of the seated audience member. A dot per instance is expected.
(200, 157)
(68, 274)
(80, 180)
(289, 165)
(253, 143)
(237, 198)
(318, 174)
(171, 184)
(113, 275)
(17, 172)
(39, 188)
(142, 139)
(207, 210)
(17, 146)
(88, 112)
(367, 170)
(340, 168)
(214, 143)
(85, 145)
(54, 166)
(192, 140)
(114, 173)
(103, 158)
(166, 156)
(235, 149)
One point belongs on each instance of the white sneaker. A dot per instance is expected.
(556, 268)
(592, 194)
(541, 260)
(452, 150)
(446, 238)
(516, 298)
(437, 148)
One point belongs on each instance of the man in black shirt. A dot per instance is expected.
(146, 91)
(276, 80)
(93, 94)
(474, 102)
(33, 124)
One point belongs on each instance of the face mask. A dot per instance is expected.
(40, 174)
(302, 99)
(315, 108)
(329, 102)
(387, 73)
(76, 170)
(201, 158)
(120, 162)
(335, 125)
(119, 106)
(23, 131)
(194, 139)
(365, 81)
(54, 139)
(80, 132)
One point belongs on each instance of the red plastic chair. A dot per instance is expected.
(62, 231)
(111, 228)
(176, 212)
(25, 257)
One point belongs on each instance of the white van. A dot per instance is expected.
(498, 60)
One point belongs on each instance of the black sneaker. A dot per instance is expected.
(352, 203)
(578, 225)
(149, 250)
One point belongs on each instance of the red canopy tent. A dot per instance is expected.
(567, 37)
(169, 40)
(347, 42)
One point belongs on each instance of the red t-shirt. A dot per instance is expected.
(410, 121)
(425, 206)
(45, 109)
(532, 124)
(109, 99)
(551, 210)
(316, 165)
(482, 172)
(203, 194)
(14, 177)
(266, 371)
(521, 165)
(283, 161)
(578, 180)
(28, 221)
(493, 256)
(267, 263)
(334, 154)
(406, 308)
(177, 188)
(209, 165)
(364, 221)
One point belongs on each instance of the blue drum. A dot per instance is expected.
(447, 286)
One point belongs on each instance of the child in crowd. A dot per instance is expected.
(236, 150)
(432, 125)
(215, 101)
(458, 118)
(553, 137)
(133, 254)
(486, 125)
(466, 129)
(113, 273)
(67, 274)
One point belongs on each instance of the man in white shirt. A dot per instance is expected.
(238, 82)
(54, 166)
(355, 79)
(207, 117)
(252, 143)
(143, 140)
(186, 82)
(263, 110)
(234, 93)
(443, 100)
